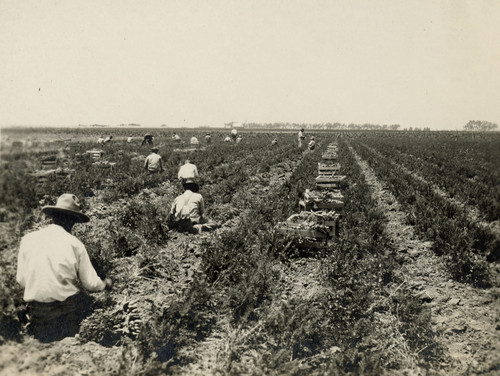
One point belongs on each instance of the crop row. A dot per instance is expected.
(241, 280)
(465, 244)
(466, 168)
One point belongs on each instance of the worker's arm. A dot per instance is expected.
(146, 163)
(20, 275)
(87, 274)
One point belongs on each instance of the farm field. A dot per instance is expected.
(408, 285)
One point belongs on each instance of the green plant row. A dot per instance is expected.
(465, 245)
(464, 167)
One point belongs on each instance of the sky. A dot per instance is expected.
(417, 63)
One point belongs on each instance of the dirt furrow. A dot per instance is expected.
(473, 213)
(464, 317)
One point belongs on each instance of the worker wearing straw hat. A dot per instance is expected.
(52, 263)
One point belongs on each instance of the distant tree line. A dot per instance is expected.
(480, 126)
(326, 126)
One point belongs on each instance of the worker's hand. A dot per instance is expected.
(109, 284)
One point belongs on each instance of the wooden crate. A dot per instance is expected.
(330, 179)
(328, 205)
(74, 147)
(305, 233)
(95, 154)
(329, 156)
(324, 168)
(49, 163)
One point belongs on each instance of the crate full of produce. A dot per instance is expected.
(321, 200)
(319, 225)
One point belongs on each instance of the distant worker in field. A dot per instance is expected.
(234, 133)
(107, 140)
(238, 139)
(194, 141)
(274, 141)
(301, 137)
(208, 138)
(51, 266)
(153, 162)
(129, 139)
(312, 144)
(188, 209)
(188, 173)
(227, 139)
(176, 137)
(148, 139)
(100, 140)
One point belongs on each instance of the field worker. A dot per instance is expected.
(129, 139)
(238, 139)
(107, 140)
(227, 139)
(52, 264)
(188, 173)
(301, 137)
(312, 144)
(100, 140)
(274, 142)
(153, 163)
(148, 139)
(208, 138)
(234, 133)
(194, 141)
(187, 212)
(176, 137)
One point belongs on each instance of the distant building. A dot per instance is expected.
(233, 124)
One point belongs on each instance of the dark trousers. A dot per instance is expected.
(57, 320)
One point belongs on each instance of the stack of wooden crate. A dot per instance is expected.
(329, 169)
(321, 208)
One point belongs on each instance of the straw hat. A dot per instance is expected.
(67, 203)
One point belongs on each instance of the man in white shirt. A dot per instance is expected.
(52, 263)
(188, 173)
(312, 144)
(194, 141)
(234, 133)
(188, 209)
(301, 137)
(153, 163)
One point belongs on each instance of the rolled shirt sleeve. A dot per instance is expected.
(20, 274)
(87, 274)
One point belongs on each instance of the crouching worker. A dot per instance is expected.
(52, 263)
(188, 209)
(152, 163)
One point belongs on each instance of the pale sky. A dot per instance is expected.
(420, 63)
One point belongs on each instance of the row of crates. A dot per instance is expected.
(320, 209)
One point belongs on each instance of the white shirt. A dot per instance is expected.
(188, 171)
(50, 263)
(153, 162)
(189, 205)
(129, 139)
(194, 141)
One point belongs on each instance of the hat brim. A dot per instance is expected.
(80, 217)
